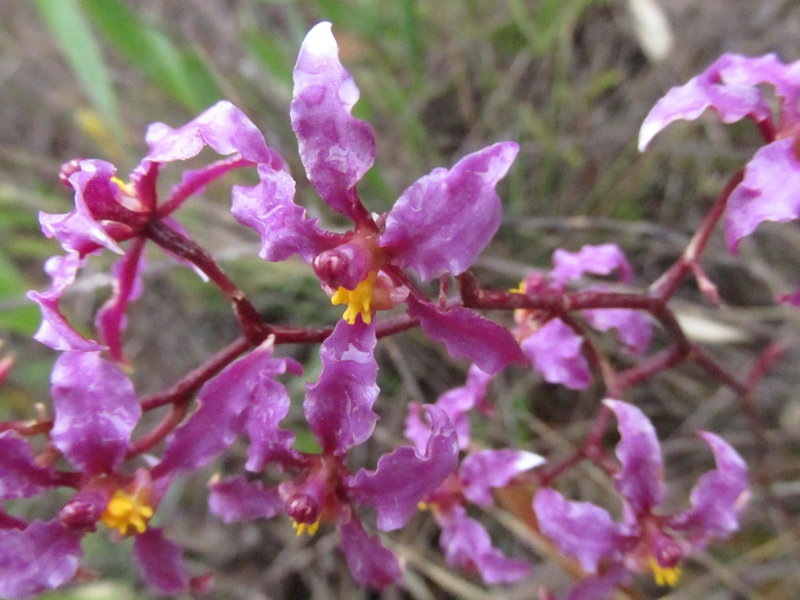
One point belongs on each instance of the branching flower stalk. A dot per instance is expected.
(92, 440)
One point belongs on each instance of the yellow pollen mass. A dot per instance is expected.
(520, 289)
(358, 301)
(664, 576)
(126, 188)
(301, 528)
(126, 511)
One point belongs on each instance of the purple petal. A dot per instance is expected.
(20, 476)
(339, 406)
(161, 562)
(55, 331)
(602, 259)
(578, 529)
(110, 320)
(285, 230)
(219, 417)
(445, 219)
(404, 477)
(39, 558)
(466, 334)
(336, 149)
(370, 563)
(768, 191)
(486, 469)
(600, 587)
(633, 327)
(721, 87)
(467, 545)
(641, 477)
(96, 197)
(236, 499)
(456, 404)
(223, 127)
(269, 443)
(718, 497)
(555, 351)
(96, 409)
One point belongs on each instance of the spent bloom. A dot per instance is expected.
(645, 540)
(437, 226)
(552, 346)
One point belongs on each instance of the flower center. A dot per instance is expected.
(301, 528)
(358, 300)
(664, 575)
(126, 511)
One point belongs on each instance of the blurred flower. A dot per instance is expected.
(465, 542)
(439, 225)
(551, 345)
(731, 87)
(645, 541)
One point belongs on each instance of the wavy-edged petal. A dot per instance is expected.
(467, 545)
(579, 529)
(20, 475)
(285, 230)
(54, 330)
(466, 334)
(721, 86)
(96, 409)
(486, 469)
(338, 407)
(223, 127)
(555, 351)
(220, 414)
(641, 476)
(443, 221)
(370, 562)
(161, 562)
(269, 443)
(718, 497)
(235, 499)
(41, 557)
(768, 191)
(601, 259)
(456, 404)
(404, 477)
(336, 148)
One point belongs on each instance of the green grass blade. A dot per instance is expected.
(77, 42)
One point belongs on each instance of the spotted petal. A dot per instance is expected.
(404, 477)
(339, 406)
(96, 409)
(443, 221)
(336, 148)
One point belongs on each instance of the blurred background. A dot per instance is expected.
(570, 81)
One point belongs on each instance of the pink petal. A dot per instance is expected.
(336, 148)
(443, 221)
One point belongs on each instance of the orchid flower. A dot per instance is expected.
(552, 346)
(645, 540)
(439, 224)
